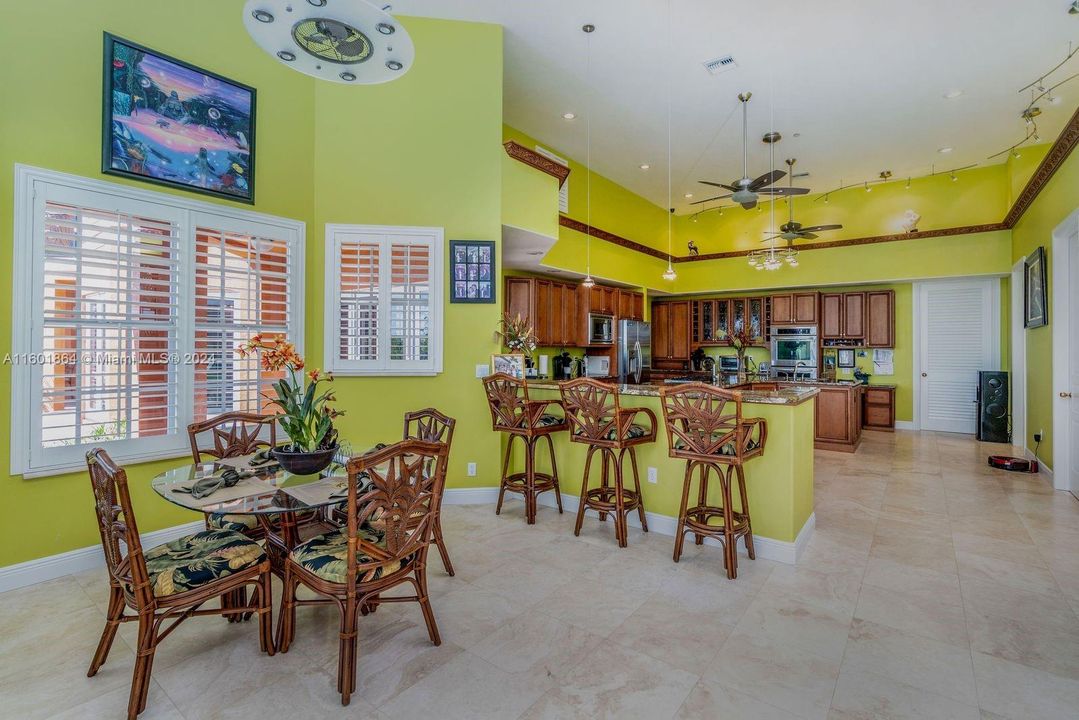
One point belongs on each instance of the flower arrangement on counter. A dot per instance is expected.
(517, 334)
(740, 340)
(306, 415)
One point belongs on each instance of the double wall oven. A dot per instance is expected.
(794, 350)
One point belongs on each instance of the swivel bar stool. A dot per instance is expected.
(597, 419)
(711, 436)
(517, 416)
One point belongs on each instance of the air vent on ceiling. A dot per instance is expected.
(720, 65)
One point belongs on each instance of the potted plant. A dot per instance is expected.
(517, 335)
(740, 340)
(306, 415)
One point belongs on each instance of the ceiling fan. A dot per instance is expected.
(746, 191)
(792, 230)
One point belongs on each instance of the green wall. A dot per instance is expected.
(420, 151)
(1059, 198)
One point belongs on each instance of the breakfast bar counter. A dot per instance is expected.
(780, 482)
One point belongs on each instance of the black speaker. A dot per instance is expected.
(993, 415)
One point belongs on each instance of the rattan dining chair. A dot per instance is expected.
(384, 544)
(170, 582)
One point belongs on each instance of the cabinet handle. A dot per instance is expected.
(1065, 395)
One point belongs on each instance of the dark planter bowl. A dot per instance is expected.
(304, 463)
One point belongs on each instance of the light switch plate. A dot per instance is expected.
(653, 475)
(472, 469)
(483, 371)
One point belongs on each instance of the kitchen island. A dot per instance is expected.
(780, 482)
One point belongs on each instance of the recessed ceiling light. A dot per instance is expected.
(688, 195)
(645, 166)
(569, 116)
(952, 94)
(944, 150)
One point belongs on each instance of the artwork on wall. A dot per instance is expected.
(512, 364)
(846, 358)
(171, 123)
(472, 270)
(1036, 298)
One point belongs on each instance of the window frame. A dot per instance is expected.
(27, 327)
(384, 367)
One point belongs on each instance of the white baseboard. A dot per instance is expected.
(75, 561)
(766, 547)
(89, 558)
(905, 425)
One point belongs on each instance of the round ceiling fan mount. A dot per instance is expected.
(345, 41)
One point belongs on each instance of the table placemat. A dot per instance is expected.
(244, 488)
(318, 492)
(243, 462)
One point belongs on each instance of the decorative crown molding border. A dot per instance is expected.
(534, 159)
(1062, 148)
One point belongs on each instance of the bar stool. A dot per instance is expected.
(598, 420)
(702, 430)
(517, 416)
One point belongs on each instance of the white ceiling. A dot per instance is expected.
(861, 81)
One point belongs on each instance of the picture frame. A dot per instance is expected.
(845, 358)
(1035, 291)
(512, 364)
(472, 271)
(168, 122)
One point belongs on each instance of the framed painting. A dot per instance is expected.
(512, 364)
(846, 358)
(1036, 295)
(472, 271)
(170, 123)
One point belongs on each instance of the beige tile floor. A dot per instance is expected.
(933, 588)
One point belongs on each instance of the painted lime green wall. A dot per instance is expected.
(424, 150)
(1056, 201)
(529, 198)
(1022, 168)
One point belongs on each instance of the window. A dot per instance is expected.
(383, 300)
(132, 304)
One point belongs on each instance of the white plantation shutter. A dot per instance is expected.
(384, 300)
(242, 288)
(129, 306)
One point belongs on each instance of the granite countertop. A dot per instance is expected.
(791, 394)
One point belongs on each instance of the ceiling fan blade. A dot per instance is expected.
(769, 239)
(808, 235)
(769, 178)
(718, 197)
(780, 190)
(718, 185)
(822, 228)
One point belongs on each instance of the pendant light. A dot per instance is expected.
(588, 281)
(669, 274)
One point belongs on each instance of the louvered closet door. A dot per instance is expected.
(959, 331)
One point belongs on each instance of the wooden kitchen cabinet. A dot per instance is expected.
(843, 316)
(670, 333)
(795, 309)
(878, 408)
(880, 319)
(603, 300)
(518, 297)
(838, 418)
(543, 322)
(854, 315)
(550, 307)
(570, 336)
(630, 305)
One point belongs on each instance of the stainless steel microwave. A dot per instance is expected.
(600, 329)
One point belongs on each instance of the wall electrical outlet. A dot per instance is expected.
(483, 371)
(472, 469)
(653, 475)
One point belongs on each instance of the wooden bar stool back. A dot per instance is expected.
(430, 425)
(390, 526)
(169, 583)
(597, 419)
(705, 428)
(517, 416)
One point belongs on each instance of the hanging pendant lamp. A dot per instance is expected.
(669, 274)
(588, 281)
(344, 41)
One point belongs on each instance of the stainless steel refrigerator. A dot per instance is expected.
(634, 351)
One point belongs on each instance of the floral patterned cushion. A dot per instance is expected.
(236, 523)
(635, 431)
(549, 420)
(726, 449)
(194, 560)
(327, 556)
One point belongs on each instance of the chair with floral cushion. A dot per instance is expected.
(597, 419)
(705, 428)
(391, 523)
(517, 416)
(168, 583)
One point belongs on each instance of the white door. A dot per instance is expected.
(1069, 394)
(958, 327)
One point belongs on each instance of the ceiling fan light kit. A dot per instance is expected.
(345, 41)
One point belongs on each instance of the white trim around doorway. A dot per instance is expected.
(1059, 318)
(1018, 369)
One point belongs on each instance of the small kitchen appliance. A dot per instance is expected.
(600, 329)
(597, 366)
